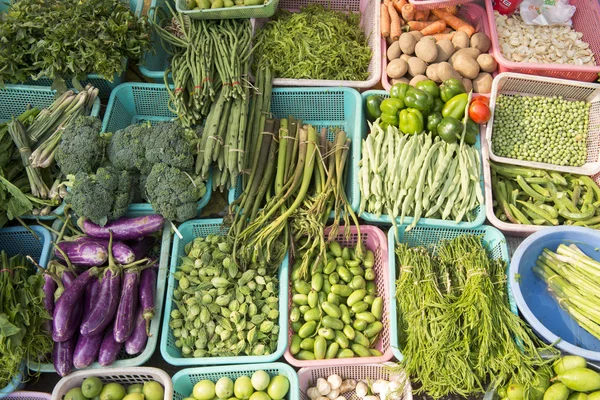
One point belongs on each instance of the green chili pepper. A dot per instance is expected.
(430, 87)
(451, 88)
(418, 99)
(411, 121)
(455, 107)
(450, 129)
(433, 121)
(398, 91)
(372, 107)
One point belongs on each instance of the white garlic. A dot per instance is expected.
(335, 381)
(313, 393)
(361, 389)
(323, 387)
(334, 394)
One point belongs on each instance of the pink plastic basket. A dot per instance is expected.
(586, 20)
(23, 395)
(472, 13)
(373, 239)
(429, 4)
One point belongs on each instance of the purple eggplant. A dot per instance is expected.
(126, 228)
(103, 310)
(83, 253)
(125, 318)
(122, 252)
(138, 339)
(109, 349)
(87, 349)
(141, 247)
(49, 288)
(66, 319)
(90, 298)
(62, 356)
(146, 291)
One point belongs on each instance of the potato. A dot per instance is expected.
(389, 40)
(417, 35)
(445, 50)
(460, 40)
(483, 83)
(466, 66)
(426, 50)
(393, 51)
(487, 62)
(416, 66)
(445, 71)
(405, 57)
(404, 79)
(396, 68)
(469, 52)
(467, 84)
(407, 43)
(417, 79)
(432, 73)
(481, 42)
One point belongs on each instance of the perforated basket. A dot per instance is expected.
(369, 11)
(385, 219)
(526, 85)
(431, 237)
(473, 13)
(18, 240)
(154, 63)
(323, 108)
(430, 4)
(132, 103)
(236, 12)
(124, 376)
(202, 228)
(18, 382)
(373, 239)
(124, 360)
(585, 20)
(24, 395)
(307, 377)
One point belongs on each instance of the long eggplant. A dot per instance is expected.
(141, 247)
(123, 253)
(125, 318)
(147, 288)
(90, 298)
(87, 349)
(105, 306)
(125, 228)
(138, 339)
(109, 349)
(62, 356)
(66, 320)
(83, 253)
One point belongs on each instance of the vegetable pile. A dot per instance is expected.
(261, 386)
(213, 4)
(334, 387)
(542, 129)
(536, 197)
(336, 312)
(93, 387)
(222, 311)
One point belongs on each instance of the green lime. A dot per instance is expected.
(153, 391)
(135, 388)
(113, 391)
(75, 394)
(91, 386)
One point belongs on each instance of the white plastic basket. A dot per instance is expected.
(24, 395)
(369, 11)
(509, 83)
(124, 376)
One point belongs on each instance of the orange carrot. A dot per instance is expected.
(452, 10)
(432, 29)
(426, 12)
(440, 36)
(433, 17)
(420, 16)
(418, 25)
(447, 30)
(454, 22)
(396, 22)
(398, 4)
(385, 21)
(408, 12)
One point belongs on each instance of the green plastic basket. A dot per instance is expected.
(235, 12)
(202, 228)
(431, 236)
(18, 240)
(153, 64)
(385, 219)
(132, 103)
(184, 380)
(323, 108)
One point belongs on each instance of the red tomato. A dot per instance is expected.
(483, 99)
(479, 112)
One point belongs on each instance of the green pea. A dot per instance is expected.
(346, 319)
(366, 316)
(369, 260)
(296, 326)
(312, 315)
(344, 274)
(327, 333)
(345, 353)
(320, 347)
(355, 297)
(341, 339)
(294, 314)
(332, 350)
(360, 307)
(217, 4)
(307, 344)
(322, 297)
(341, 290)
(326, 286)
(373, 329)
(333, 299)
(304, 309)
(334, 278)
(313, 299)
(335, 249)
(300, 299)
(203, 4)
(360, 351)
(369, 274)
(352, 263)
(331, 309)
(357, 271)
(295, 344)
(305, 355)
(377, 308)
(361, 339)
(331, 322)
(359, 324)
(307, 329)
(369, 299)
(339, 261)
(371, 288)
(302, 287)
(349, 332)
(358, 282)
(346, 254)
(330, 267)
(375, 353)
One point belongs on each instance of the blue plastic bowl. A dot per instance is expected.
(541, 311)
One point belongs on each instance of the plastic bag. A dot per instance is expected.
(547, 12)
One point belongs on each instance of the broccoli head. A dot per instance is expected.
(170, 143)
(127, 148)
(174, 193)
(81, 147)
(103, 196)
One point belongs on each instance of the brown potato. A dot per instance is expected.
(467, 84)
(417, 79)
(426, 50)
(445, 50)
(393, 51)
(432, 73)
(445, 71)
(466, 66)
(483, 83)
(416, 66)
(404, 79)
(481, 41)
(487, 62)
(418, 35)
(405, 57)
(396, 68)
(460, 40)
(407, 43)
(389, 40)
(469, 52)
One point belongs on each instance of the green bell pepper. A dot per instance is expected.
(455, 107)
(391, 119)
(433, 121)
(372, 104)
(417, 98)
(438, 105)
(450, 129)
(430, 87)
(411, 121)
(398, 91)
(391, 106)
(451, 88)
(471, 132)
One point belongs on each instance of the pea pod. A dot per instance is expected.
(341, 290)
(344, 274)
(300, 299)
(341, 339)
(361, 339)
(307, 344)
(312, 315)
(360, 350)
(305, 355)
(295, 344)
(355, 297)
(307, 329)
(302, 287)
(359, 324)
(345, 353)
(335, 249)
(330, 267)
(377, 308)
(345, 314)
(332, 350)
(333, 323)
(333, 299)
(313, 299)
(327, 333)
(331, 310)
(373, 329)
(294, 314)
(349, 332)
(360, 307)
(317, 282)
(320, 348)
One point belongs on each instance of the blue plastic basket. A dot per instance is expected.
(385, 219)
(132, 103)
(184, 380)
(202, 228)
(17, 383)
(18, 240)
(431, 236)
(323, 108)
(153, 64)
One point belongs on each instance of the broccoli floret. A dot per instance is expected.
(81, 148)
(101, 197)
(173, 193)
(138, 186)
(127, 148)
(170, 143)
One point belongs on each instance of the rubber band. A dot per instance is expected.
(476, 273)
(289, 137)
(237, 150)
(198, 87)
(235, 83)
(218, 138)
(24, 149)
(6, 269)
(179, 89)
(207, 79)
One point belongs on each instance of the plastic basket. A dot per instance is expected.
(307, 377)
(18, 240)
(124, 376)
(125, 360)
(585, 20)
(369, 11)
(430, 236)
(202, 228)
(24, 395)
(323, 108)
(373, 239)
(17, 383)
(235, 12)
(153, 64)
(184, 380)
(386, 220)
(132, 103)
(527, 85)
(473, 13)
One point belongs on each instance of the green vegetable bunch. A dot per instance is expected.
(60, 39)
(220, 311)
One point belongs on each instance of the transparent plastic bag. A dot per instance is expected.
(547, 12)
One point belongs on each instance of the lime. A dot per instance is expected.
(153, 390)
(260, 380)
(204, 390)
(91, 386)
(259, 396)
(112, 391)
(134, 396)
(135, 388)
(243, 387)
(75, 394)
(278, 387)
(224, 388)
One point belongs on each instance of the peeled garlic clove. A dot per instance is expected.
(380, 386)
(348, 385)
(362, 389)
(335, 381)
(334, 394)
(323, 387)
(313, 393)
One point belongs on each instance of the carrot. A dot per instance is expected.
(447, 30)
(452, 10)
(418, 25)
(398, 4)
(454, 22)
(440, 36)
(436, 27)
(433, 17)
(385, 21)
(408, 12)
(426, 13)
(420, 16)
(396, 22)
